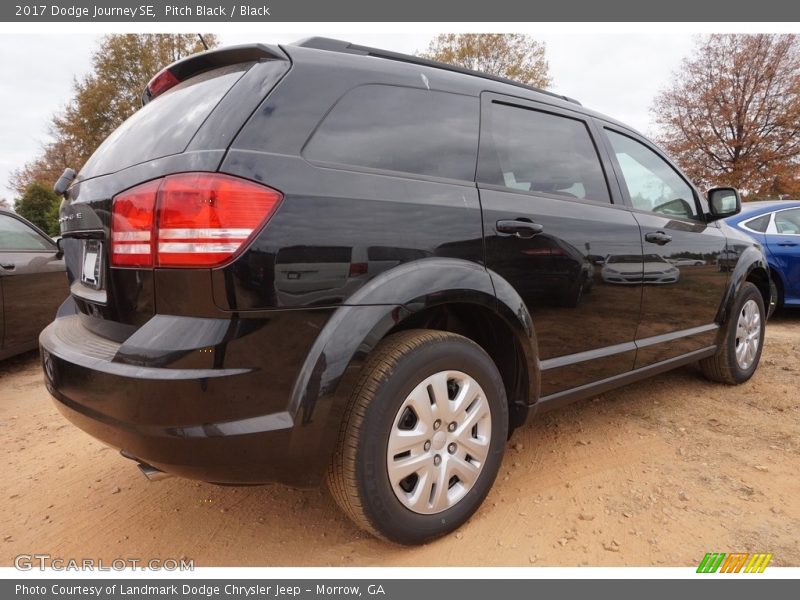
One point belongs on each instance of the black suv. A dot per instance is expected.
(329, 261)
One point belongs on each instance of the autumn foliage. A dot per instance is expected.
(103, 99)
(732, 114)
(511, 55)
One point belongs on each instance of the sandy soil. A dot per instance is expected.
(657, 473)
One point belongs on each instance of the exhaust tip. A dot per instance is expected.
(152, 473)
(149, 471)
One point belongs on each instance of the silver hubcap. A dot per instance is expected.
(748, 334)
(439, 442)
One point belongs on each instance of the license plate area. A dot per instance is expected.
(92, 269)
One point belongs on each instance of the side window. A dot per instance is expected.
(16, 235)
(759, 224)
(788, 221)
(400, 129)
(653, 185)
(541, 152)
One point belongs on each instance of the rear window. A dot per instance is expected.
(400, 129)
(166, 125)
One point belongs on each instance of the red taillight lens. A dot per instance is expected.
(203, 218)
(132, 218)
(357, 269)
(196, 220)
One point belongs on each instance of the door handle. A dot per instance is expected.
(8, 266)
(658, 237)
(519, 228)
(787, 244)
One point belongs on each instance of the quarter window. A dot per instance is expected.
(541, 152)
(653, 185)
(759, 224)
(400, 129)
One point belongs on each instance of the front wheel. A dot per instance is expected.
(422, 438)
(737, 358)
(775, 295)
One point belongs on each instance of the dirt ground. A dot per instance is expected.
(654, 474)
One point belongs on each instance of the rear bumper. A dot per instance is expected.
(215, 407)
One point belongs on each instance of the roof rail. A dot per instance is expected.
(323, 43)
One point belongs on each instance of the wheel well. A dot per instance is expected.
(491, 333)
(776, 278)
(760, 279)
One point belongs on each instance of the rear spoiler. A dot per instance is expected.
(195, 64)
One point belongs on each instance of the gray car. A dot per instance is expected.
(33, 283)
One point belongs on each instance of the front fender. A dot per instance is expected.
(333, 365)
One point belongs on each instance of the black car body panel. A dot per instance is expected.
(241, 372)
(32, 283)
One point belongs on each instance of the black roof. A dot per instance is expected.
(332, 45)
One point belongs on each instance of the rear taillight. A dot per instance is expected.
(188, 220)
(357, 269)
(132, 218)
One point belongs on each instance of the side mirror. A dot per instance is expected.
(60, 252)
(724, 202)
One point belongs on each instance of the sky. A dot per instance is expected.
(618, 74)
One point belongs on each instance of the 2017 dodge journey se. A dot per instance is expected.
(325, 261)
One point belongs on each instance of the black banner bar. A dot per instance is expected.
(395, 589)
(454, 11)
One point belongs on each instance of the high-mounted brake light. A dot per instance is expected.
(188, 220)
(160, 83)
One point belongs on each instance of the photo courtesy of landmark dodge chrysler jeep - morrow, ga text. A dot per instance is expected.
(322, 261)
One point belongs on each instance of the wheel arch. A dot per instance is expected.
(776, 276)
(436, 293)
(751, 267)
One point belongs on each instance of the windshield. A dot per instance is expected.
(624, 258)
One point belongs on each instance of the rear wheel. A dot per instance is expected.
(737, 358)
(422, 438)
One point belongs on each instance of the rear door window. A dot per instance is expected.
(788, 221)
(393, 128)
(536, 151)
(165, 125)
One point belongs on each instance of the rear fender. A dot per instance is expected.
(334, 363)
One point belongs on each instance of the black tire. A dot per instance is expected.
(358, 476)
(723, 366)
(775, 294)
(571, 297)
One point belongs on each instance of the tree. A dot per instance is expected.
(39, 204)
(103, 99)
(512, 55)
(5, 204)
(731, 115)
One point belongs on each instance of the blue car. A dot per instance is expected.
(776, 225)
